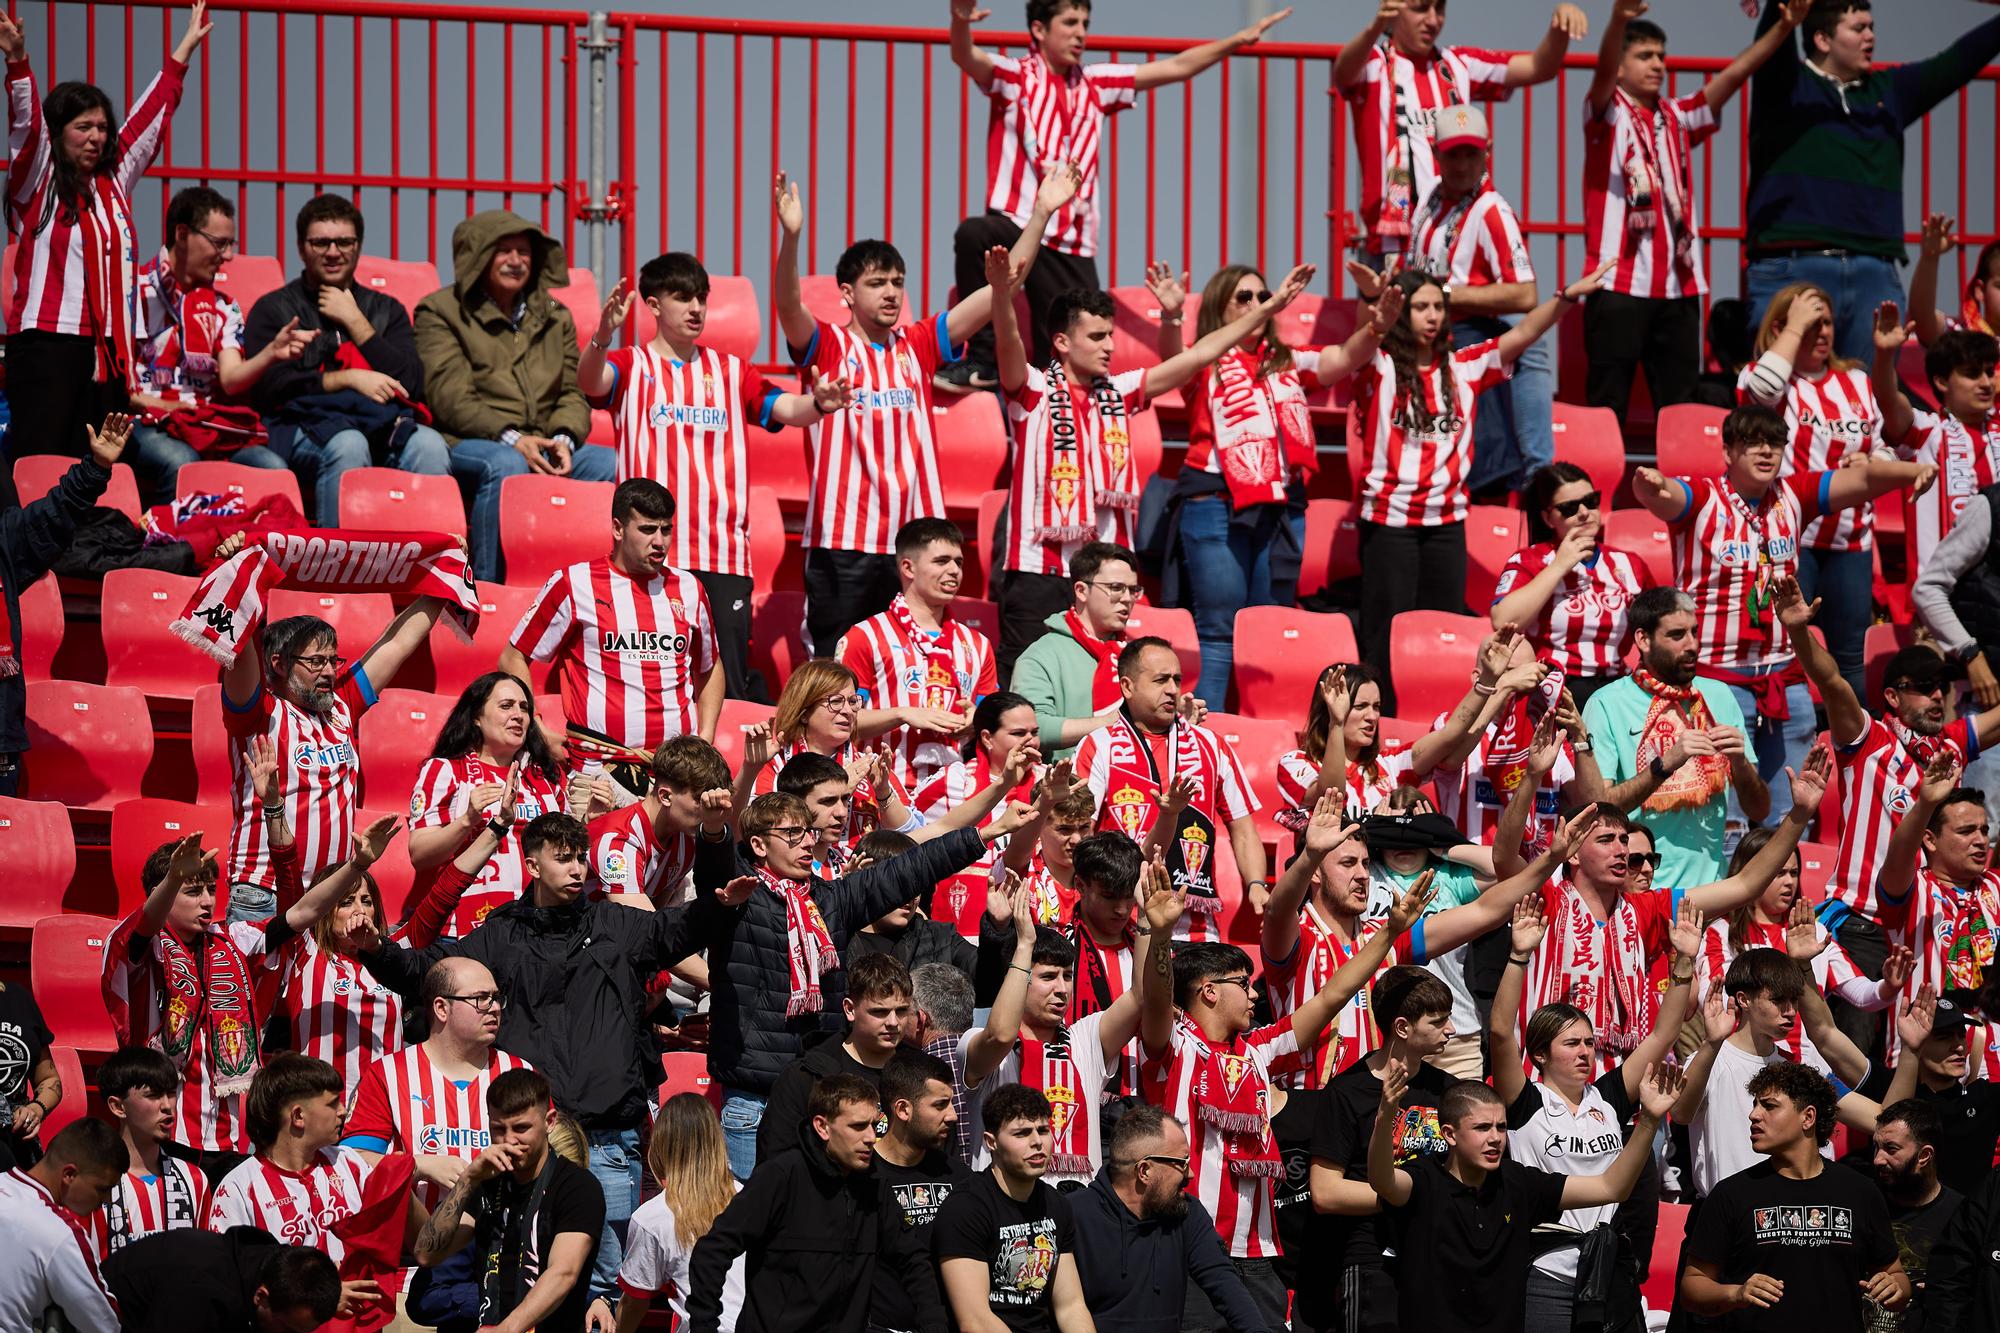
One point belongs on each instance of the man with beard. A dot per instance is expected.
(1141, 1237)
(1682, 731)
(1881, 762)
(1968, 1112)
(914, 1161)
(1906, 1167)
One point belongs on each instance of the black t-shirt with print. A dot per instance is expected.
(1340, 1135)
(510, 1255)
(1820, 1237)
(1462, 1254)
(1020, 1243)
(1302, 1233)
(918, 1193)
(24, 1043)
(1917, 1230)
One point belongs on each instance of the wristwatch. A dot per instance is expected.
(1658, 768)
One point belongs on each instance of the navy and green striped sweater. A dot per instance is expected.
(1826, 163)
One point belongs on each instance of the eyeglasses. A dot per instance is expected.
(485, 1001)
(321, 662)
(1118, 592)
(793, 834)
(1248, 298)
(841, 703)
(226, 244)
(1244, 982)
(1568, 508)
(1179, 1164)
(325, 244)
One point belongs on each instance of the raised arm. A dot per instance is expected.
(186, 864)
(1770, 376)
(1749, 883)
(1718, 1021)
(1494, 685)
(1353, 58)
(1009, 352)
(367, 848)
(1279, 935)
(1156, 1016)
(1611, 54)
(1543, 317)
(988, 1046)
(1172, 293)
(1390, 1182)
(793, 317)
(1544, 748)
(1847, 720)
(1163, 907)
(1657, 1092)
(1718, 90)
(1658, 1045)
(965, 53)
(1890, 334)
(409, 631)
(1906, 841)
(1491, 909)
(1546, 60)
(1178, 370)
(823, 397)
(1939, 240)
(1850, 486)
(1665, 498)
(1504, 1017)
(1188, 63)
(593, 373)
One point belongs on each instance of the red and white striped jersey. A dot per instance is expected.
(1830, 418)
(318, 771)
(685, 425)
(1242, 1205)
(1833, 971)
(338, 1011)
(875, 465)
(1474, 243)
(951, 669)
(404, 1104)
(136, 995)
(1729, 552)
(298, 1207)
(1028, 414)
(1968, 461)
(630, 655)
(1416, 478)
(1316, 956)
(179, 335)
(1041, 116)
(963, 896)
(1626, 142)
(1878, 777)
(1582, 627)
(627, 856)
(443, 788)
(1367, 785)
(77, 272)
(143, 1205)
(1468, 798)
(1953, 932)
(1396, 102)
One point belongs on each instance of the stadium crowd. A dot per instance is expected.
(1012, 1017)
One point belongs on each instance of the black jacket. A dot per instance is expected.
(817, 1240)
(785, 1110)
(575, 982)
(31, 538)
(922, 941)
(1962, 1288)
(750, 1039)
(1135, 1271)
(393, 349)
(186, 1279)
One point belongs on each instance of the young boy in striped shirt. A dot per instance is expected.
(158, 1192)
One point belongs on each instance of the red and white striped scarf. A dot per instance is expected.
(1047, 1068)
(1230, 1092)
(1599, 969)
(229, 604)
(1655, 160)
(1065, 479)
(809, 948)
(1251, 431)
(940, 687)
(209, 987)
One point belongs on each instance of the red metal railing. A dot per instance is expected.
(1252, 160)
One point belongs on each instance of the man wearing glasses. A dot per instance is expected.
(352, 398)
(1070, 674)
(189, 352)
(429, 1100)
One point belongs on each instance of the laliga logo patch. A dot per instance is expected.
(416, 805)
(615, 866)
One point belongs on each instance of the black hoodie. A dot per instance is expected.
(187, 1279)
(817, 1239)
(827, 1055)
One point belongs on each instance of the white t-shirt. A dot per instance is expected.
(656, 1264)
(1719, 1133)
(49, 1264)
(1086, 1053)
(1544, 1133)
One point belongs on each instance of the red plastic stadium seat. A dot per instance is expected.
(90, 743)
(358, 618)
(388, 499)
(767, 536)
(1689, 440)
(457, 663)
(1431, 656)
(1916, 380)
(1637, 531)
(408, 280)
(42, 627)
(137, 827)
(75, 1103)
(981, 614)
(1815, 869)
(66, 973)
(1280, 652)
(254, 484)
(735, 322)
(581, 297)
(990, 505)
(209, 744)
(1492, 535)
(779, 461)
(1664, 1274)
(245, 278)
(1258, 743)
(1589, 437)
(738, 715)
(1881, 643)
(139, 649)
(1176, 626)
(547, 523)
(1406, 731)
(687, 1071)
(394, 738)
(37, 475)
(39, 851)
(777, 636)
(1135, 324)
(972, 448)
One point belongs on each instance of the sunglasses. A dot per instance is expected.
(1650, 860)
(1249, 298)
(1568, 508)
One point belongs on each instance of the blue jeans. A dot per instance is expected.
(1778, 745)
(1845, 581)
(481, 465)
(251, 904)
(1856, 284)
(742, 1112)
(158, 457)
(321, 465)
(616, 1161)
(1513, 432)
(1227, 556)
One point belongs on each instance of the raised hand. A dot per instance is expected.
(1262, 26)
(1591, 281)
(1651, 481)
(13, 38)
(478, 801)
(1290, 289)
(1803, 940)
(1661, 1088)
(188, 861)
(1570, 22)
(1192, 710)
(1169, 291)
(1324, 831)
(737, 891)
(757, 746)
(503, 812)
(1789, 604)
(1718, 1019)
(1017, 815)
(1021, 762)
(1792, 13)
(107, 445)
(969, 11)
(1060, 182)
(1570, 835)
(1405, 910)
(1056, 782)
(369, 843)
(999, 271)
(785, 199)
(1809, 784)
(264, 769)
(1915, 1017)
(1939, 235)
(616, 307)
(290, 342)
(1333, 692)
(1629, 9)
(1897, 965)
(1941, 776)
(1164, 903)
(1385, 310)
(1524, 678)
(1545, 747)
(197, 30)
(1528, 926)
(1890, 330)
(1368, 284)
(830, 394)
(1021, 908)
(1178, 794)
(1496, 651)
(1687, 931)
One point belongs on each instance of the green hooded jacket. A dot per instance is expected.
(482, 375)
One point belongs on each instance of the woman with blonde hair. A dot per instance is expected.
(820, 713)
(690, 1162)
(1831, 415)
